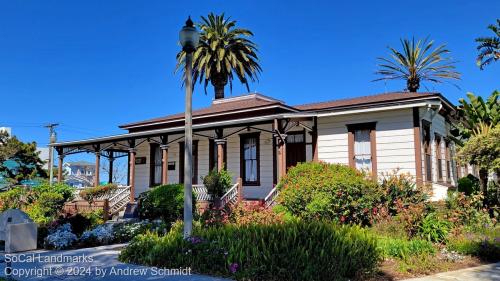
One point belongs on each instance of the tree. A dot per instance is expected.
(18, 160)
(482, 150)
(417, 63)
(476, 116)
(489, 47)
(476, 119)
(224, 52)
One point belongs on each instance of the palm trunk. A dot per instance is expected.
(412, 84)
(219, 91)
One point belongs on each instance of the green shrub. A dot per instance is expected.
(434, 229)
(13, 199)
(403, 248)
(328, 191)
(46, 208)
(66, 191)
(468, 185)
(485, 247)
(467, 210)
(217, 183)
(93, 193)
(400, 191)
(164, 202)
(290, 251)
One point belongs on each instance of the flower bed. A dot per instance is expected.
(289, 251)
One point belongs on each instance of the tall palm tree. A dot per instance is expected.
(223, 53)
(489, 47)
(417, 63)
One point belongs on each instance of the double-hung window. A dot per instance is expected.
(362, 147)
(249, 156)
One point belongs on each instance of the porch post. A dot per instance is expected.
(59, 168)
(110, 172)
(97, 165)
(315, 140)
(164, 164)
(164, 159)
(220, 154)
(131, 164)
(281, 148)
(219, 133)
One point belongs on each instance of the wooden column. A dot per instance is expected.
(60, 168)
(240, 190)
(164, 164)
(314, 136)
(97, 166)
(281, 149)
(220, 154)
(131, 164)
(418, 146)
(110, 172)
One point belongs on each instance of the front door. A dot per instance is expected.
(295, 148)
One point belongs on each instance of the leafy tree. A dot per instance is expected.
(18, 160)
(489, 47)
(417, 63)
(476, 119)
(224, 52)
(476, 116)
(482, 150)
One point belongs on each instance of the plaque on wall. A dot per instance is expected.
(140, 160)
(171, 165)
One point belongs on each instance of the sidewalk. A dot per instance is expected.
(489, 272)
(100, 263)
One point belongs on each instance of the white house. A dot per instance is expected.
(258, 138)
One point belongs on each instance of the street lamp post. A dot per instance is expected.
(188, 37)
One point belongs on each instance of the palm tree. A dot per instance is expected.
(489, 47)
(224, 52)
(417, 63)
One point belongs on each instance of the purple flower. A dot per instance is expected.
(195, 240)
(233, 267)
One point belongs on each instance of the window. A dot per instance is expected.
(439, 157)
(213, 155)
(249, 159)
(155, 165)
(362, 147)
(427, 150)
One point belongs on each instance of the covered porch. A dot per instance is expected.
(256, 150)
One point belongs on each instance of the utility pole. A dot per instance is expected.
(52, 139)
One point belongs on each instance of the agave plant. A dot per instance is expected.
(224, 52)
(489, 47)
(417, 62)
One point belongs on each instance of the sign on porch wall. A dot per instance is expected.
(140, 160)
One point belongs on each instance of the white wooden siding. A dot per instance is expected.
(394, 139)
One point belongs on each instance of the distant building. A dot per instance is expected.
(44, 155)
(79, 173)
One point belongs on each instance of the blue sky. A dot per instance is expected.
(92, 65)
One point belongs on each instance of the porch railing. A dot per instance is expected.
(271, 197)
(116, 200)
(230, 196)
(201, 192)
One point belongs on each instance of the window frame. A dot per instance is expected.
(152, 164)
(372, 127)
(427, 147)
(243, 137)
(439, 157)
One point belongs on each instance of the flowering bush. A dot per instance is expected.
(101, 235)
(315, 191)
(399, 191)
(467, 211)
(93, 193)
(61, 238)
(124, 232)
(243, 214)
